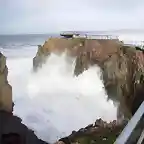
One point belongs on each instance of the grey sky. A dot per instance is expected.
(43, 16)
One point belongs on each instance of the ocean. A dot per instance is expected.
(52, 101)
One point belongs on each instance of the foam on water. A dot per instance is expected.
(52, 101)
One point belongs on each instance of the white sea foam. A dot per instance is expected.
(52, 101)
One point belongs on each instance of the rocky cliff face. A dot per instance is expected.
(57, 45)
(98, 50)
(122, 66)
(123, 76)
(12, 130)
(5, 88)
(100, 132)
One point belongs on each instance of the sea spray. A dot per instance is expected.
(54, 102)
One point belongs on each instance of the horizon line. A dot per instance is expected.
(81, 31)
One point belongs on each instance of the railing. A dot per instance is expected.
(96, 36)
(89, 36)
(131, 131)
(100, 36)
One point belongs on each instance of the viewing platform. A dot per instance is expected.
(87, 36)
(73, 34)
(69, 34)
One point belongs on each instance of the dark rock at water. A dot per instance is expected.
(12, 131)
(99, 133)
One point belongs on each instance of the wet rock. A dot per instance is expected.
(12, 130)
(100, 133)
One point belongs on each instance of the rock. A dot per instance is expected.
(98, 49)
(5, 88)
(94, 134)
(122, 66)
(57, 45)
(122, 72)
(6, 98)
(12, 130)
(60, 142)
(40, 57)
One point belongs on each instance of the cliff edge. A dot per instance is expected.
(100, 132)
(57, 45)
(123, 74)
(122, 69)
(5, 88)
(12, 131)
(121, 65)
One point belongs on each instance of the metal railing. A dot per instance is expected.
(101, 37)
(89, 36)
(105, 37)
(132, 127)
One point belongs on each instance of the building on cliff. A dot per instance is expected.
(69, 34)
(87, 36)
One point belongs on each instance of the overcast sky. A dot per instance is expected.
(46, 16)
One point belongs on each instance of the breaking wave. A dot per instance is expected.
(53, 102)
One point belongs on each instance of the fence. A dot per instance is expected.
(88, 36)
(97, 36)
(130, 132)
(100, 36)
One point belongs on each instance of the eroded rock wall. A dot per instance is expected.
(5, 88)
(122, 66)
(12, 130)
(100, 132)
(123, 72)
(57, 45)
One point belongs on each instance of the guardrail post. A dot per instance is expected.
(126, 133)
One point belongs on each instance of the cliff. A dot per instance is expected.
(74, 47)
(57, 45)
(122, 74)
(13, 131)
(5, 88)
(122, 71)
(122, 66)
(11, 128)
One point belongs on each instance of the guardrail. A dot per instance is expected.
(129, 131)
(102, 36)
(98, 36)
(88, 36)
